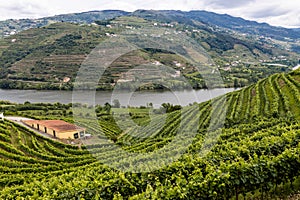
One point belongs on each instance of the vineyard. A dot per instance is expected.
(256, 154)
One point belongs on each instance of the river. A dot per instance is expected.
(139, 98)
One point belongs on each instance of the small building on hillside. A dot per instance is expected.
(57, 128)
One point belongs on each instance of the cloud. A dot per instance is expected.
(272, 11)
(228, 3)
(184, 5)
(22, 9)
(291, 19)
(150, 4)
(275, 12)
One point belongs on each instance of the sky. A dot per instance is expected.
(283, 13)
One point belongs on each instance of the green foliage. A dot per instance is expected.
(256, 153)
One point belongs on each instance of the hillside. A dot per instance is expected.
(223, 21)
(49, 57)
(12, 26)
(255, 155)
(215, 19)
(284, 37)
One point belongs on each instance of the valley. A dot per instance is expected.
(149, 104)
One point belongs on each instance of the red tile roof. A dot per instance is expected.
(57, 125)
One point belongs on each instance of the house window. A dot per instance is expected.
(81, 134)
(75, 135)
(54, 134)
(45, 130)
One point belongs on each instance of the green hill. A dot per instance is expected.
(49, 57)
(190, 18)
(220, 20)
(12, 26)
(255, 154)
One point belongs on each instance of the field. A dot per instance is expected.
(254, 155)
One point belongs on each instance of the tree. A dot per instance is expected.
(98, 109)
(107, 107)
(170, 108)
(236, 83)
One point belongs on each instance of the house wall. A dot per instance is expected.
(42, 128)
(69, 134)
(61, 135)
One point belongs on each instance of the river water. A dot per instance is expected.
(139, 98)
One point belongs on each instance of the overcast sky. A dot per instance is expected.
(275, 12)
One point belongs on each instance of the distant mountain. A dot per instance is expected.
(46, 53)
(242, 25)
(297, 30)
(220, 20)
(190, 18)
(12, 26)
(88, 17)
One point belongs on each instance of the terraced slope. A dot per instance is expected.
(256, 153)
(275, 97)
(49, 57)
